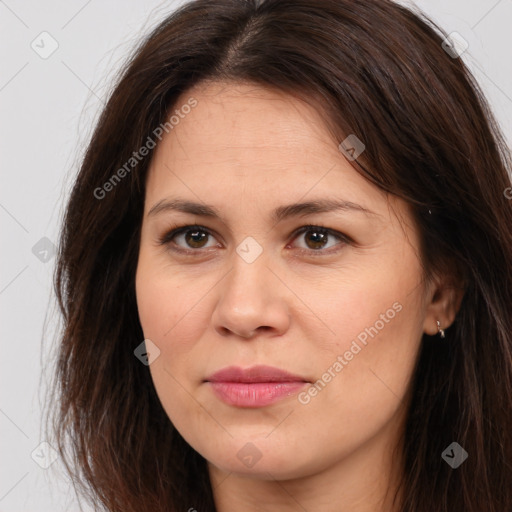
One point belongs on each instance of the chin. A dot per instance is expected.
(254, 460)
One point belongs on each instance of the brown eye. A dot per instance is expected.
(314, 239)
(317, 238)
(196, 238)
(189, 238)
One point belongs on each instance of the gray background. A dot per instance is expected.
(48, 107)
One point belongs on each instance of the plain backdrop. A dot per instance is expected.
(49, 103)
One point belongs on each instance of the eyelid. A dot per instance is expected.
(173, 231)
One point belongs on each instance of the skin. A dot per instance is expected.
(246, 150)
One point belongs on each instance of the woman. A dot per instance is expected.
(285, 271)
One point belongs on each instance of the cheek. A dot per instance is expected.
(173, 315)
(170, 308)
(170, 316)
(372, 365)
(366, 366)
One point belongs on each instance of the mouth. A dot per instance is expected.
(254, 387)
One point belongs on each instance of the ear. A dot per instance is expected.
(444, 297)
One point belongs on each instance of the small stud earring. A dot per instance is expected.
(439, 330)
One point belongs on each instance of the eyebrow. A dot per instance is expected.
(277, 215)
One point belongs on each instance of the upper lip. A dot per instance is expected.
(259, 373)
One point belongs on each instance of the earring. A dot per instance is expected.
(439, 330)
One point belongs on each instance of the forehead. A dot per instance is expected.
(245, 121)
(250, 133)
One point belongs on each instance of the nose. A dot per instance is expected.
(251, 300)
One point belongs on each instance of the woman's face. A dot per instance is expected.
(341, 308)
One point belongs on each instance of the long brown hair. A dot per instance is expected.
(379, 71)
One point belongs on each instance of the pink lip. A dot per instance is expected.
(254, 387)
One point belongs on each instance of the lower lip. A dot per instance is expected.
(259, 394)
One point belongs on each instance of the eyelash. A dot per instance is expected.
(179, 229)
